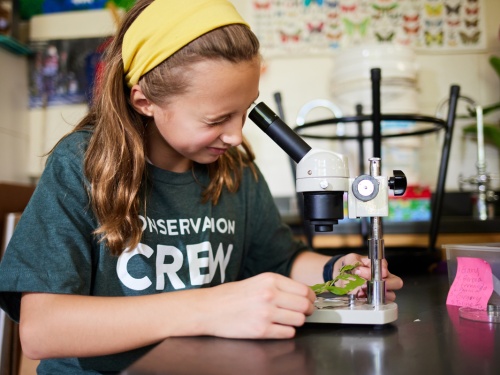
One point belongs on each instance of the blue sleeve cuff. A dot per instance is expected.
(328, 268)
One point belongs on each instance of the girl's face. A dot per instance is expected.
(201, 124)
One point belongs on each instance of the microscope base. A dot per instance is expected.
(337, 310)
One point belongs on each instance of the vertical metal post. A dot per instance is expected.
(482, 177)
(376, 286)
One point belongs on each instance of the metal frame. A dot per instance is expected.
(376, 118)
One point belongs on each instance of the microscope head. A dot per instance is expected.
(322, 176)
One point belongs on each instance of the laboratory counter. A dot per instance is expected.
(428, 337)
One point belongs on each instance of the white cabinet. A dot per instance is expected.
(13, 117)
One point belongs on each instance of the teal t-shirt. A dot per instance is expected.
(185, 244)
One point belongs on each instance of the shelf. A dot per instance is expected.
(14, 46)
(80, 24)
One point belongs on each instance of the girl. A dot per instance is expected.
(155, 191)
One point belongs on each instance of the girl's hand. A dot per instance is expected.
(65, 325)
(264, 306)
(392, 282)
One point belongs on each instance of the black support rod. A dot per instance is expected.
(376, 77)
(437, 204)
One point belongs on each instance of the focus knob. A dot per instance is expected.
(398, 183)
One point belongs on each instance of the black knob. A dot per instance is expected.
(398, 182)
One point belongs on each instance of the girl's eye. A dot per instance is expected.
(218, 122)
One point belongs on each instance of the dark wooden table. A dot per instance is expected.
(428, 338)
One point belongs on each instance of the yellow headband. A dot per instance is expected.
(166, 26)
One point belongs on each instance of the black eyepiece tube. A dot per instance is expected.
(279, 132)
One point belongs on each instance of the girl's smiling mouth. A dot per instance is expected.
(216, 150)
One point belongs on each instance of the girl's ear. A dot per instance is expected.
(140, 102)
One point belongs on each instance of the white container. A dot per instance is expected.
(395, 97)
(489, 252)
(354, 64)
(351, 85)
(351, 78)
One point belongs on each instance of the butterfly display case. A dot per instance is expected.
(288, 26)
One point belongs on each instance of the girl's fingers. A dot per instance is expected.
(390, 295)
(295, 303)
(288, 317)
(394, 282)
(295, 288)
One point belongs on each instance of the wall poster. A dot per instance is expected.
(63, 71)
(288, 26)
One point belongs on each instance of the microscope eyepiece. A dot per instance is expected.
(279, 132)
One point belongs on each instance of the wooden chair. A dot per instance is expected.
(13, 200)
(10, 345)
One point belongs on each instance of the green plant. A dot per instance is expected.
(491, 130)
(351, 282)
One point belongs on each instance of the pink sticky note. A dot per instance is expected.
(473, 284)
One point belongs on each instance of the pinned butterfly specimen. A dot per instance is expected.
(332, 3)
(315, 27)
(434, 10)
(433, 38)
(348, 8)
(471, 23)
(289, 37)
(351, 27)
(385, 38)
(334, 38)
(411, 29)
(308, 2)
(453, 10)
(411, 17)
(470, 11)
(385, 8)
(434, 23)
(453, 23)
(469, 39)
(262, 5)
(332, 15)
(334, 35)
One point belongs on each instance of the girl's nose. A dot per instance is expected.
(233, 133)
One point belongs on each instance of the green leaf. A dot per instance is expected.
(348, 267)
(351, 282)
(491, 108)
(495, 63)
(471, 111)
(490, 131)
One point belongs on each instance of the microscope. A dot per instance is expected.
(322, 176)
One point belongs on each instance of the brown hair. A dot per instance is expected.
(116, 156)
